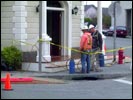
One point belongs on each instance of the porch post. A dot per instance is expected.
(99, 14)
(45, 45)
(69, 27)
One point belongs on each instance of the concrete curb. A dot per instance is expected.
(99, 76)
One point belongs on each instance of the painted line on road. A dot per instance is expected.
(123, 81)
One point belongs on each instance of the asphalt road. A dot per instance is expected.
(120, 88)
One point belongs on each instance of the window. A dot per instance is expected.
(53, 4)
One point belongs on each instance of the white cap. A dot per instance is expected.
(85, 27)
(91, 26)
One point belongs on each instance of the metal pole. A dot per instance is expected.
(131, 24)
(114, 53)
(40, 35)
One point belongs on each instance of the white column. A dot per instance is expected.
(19, 20)
(45, 45)
(99, 26)
(69, 19)
(82, 16)
(99, 16)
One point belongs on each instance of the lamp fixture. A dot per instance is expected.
(37, 8)
(75, 10)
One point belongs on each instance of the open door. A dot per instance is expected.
(54, 31)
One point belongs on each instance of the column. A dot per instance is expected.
(69, 26)
(82, 16)
(46, 39)
(99, 17)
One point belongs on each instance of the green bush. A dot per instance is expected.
(88, 20)
(12, 57)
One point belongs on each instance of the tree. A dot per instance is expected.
(90, 21)
(106, 21)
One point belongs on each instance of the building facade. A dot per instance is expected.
(20, 26)
(124, 18)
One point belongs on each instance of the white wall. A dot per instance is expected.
(32, 23)
(121, 18)
(6, 23)
(76, 24)
(32, 19)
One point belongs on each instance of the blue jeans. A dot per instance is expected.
(85, 60)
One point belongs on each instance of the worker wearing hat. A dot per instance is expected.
(85, 47)
(96, 47)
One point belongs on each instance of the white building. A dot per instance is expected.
(125, 17)
(20, 26)
(20, 21)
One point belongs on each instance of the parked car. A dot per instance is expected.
(120, 31)
(105, 32)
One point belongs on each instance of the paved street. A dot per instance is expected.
(74, 89)
(88, 88)
(106, 88)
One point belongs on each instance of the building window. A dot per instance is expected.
(53, 4)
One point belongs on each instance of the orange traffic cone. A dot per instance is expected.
(7, 83)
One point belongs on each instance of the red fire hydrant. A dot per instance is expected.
(120, 56)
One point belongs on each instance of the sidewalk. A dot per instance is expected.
(110, 70)
(114, 71)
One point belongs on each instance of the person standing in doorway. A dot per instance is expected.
(85, 48)
(96, 47)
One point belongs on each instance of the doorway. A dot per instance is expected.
(54, 31)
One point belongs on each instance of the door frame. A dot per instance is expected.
(66, 26)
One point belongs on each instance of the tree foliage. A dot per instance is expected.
(106, 21)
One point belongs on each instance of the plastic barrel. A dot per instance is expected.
(101, 60)
(71, 66)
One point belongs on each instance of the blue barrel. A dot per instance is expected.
(71, 66)
(101, 60)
